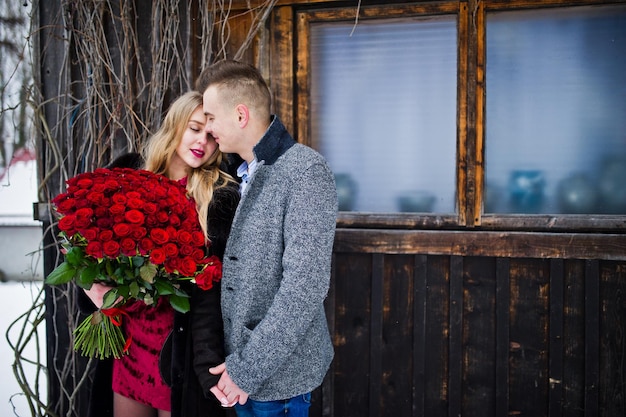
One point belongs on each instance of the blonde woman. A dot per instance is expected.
(166, 370)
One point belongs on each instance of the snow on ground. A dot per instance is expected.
(17, 298)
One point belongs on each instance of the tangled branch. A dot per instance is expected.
(112, 68)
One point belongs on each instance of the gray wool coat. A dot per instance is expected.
(276, 271)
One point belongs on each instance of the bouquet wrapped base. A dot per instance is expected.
(100, 335)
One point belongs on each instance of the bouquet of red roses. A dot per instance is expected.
(136, 231)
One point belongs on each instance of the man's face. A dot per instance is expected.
(221, 120)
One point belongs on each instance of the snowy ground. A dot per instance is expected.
(16, 298)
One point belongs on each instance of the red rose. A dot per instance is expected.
(132, 195)
(184, 237)
(197, 238)
(186, 250)
(150, 208)
(82, 222)
(187, 267)
(104, 223)
(145, 246)
(85, 183)
(111, 184)
(106, 235)
(134, 216)
(100, 212)
(198, 255)
(117, 209)
(159, 236)
(135, 203)
(66, 205)
(59, 199)
(95, 197)
(66, 223)
(159, 192)
(94, 249)
(81, 197)
(138, 232)
(174, 220)
(211, 273)
(90, 234)
(84, 213)
(128, 247)
(171, 265)
(170, 249)
(121, 229)
(111, 249)
(172, 232)
(157, 256)
(162, 217)
(119, 198)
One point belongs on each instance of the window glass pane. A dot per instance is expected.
(383, 108)
(556, 111)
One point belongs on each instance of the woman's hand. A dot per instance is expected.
(96, 293)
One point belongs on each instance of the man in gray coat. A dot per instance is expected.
(277, 262)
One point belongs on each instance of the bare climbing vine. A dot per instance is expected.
(104, 72)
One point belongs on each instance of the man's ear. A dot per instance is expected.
(243, 113)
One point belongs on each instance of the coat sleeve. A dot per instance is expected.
(206, 316)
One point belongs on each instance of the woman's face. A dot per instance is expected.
(196, 146)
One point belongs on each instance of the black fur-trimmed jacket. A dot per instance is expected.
(196, 342)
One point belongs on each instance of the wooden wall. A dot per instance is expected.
(449, 335)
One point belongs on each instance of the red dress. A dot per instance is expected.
(136, 375)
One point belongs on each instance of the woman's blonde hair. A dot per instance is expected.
(160, 149)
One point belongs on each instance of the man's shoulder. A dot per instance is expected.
(303, 155)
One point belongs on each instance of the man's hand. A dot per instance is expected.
(226, 391)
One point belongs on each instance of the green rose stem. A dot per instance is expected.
(100, 336)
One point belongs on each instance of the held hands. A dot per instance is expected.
(226, 391)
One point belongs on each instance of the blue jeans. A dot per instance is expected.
(293, 407)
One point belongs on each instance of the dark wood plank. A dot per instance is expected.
(479, 331)
(437, 321)
(455, 374)
(351, 336)
(503, 301)
(529, 313)
(489, 222)
(281, 58)
(420, 286)
(376, 335)
(612, 389)
(555, 371)
(397, 336)
(478, 243)
(592, 337)
(573, 338)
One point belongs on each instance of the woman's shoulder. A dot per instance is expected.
(228, 191)
(225, 200)
(127, 160)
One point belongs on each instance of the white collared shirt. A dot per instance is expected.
(245, 172)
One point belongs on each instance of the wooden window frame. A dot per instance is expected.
(471, 101)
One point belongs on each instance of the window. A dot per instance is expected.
(556, 111)
(483, 117)
(383, 109)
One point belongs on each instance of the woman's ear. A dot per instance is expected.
(243, 114)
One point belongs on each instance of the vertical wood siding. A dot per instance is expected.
(451, 335)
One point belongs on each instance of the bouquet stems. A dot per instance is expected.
(100, 335)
